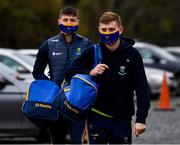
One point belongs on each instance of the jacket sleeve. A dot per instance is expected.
(82, 65)
(142, 91)
(41, 62)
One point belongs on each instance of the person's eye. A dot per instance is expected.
(65, 20)
(73, 20)
(103, 29)
(112, 29)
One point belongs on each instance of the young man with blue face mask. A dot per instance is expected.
(58, 52)
(120, 74)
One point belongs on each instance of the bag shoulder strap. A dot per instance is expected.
(97, 54)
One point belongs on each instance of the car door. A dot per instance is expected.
(10, 105)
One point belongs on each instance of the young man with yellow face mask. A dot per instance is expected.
(120, 74)
(58, 52)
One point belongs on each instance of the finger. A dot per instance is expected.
(101, 68)
(100, 71)
(103, 65)
(97, 71)
(141, 130)
(136, 132)
(106, 66)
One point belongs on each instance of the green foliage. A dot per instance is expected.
(26, 24)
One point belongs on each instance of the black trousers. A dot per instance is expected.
(58, 131)
(102, 130)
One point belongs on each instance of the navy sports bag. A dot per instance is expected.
(42, 100)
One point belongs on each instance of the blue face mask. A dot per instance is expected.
(109, 38)
(68, 29)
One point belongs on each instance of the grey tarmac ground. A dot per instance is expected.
(163, 127)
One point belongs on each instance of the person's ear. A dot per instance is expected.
(78, 21)
(59, 21)
(121, 29)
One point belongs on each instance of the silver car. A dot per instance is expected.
(21, 63)
(13, 123)
(174, 50)
(157, 62)
(22, 77)
(31, 52)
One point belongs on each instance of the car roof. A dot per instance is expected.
(7, 50)
(141, 44)
(156, 49)
(28, 50)
(173, 49)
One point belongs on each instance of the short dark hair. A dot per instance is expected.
(69, 11)
(108, 17)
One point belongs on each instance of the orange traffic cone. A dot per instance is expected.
(164, 98)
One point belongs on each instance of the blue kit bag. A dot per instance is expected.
(81, 94)
(45, 100)
(42, 100)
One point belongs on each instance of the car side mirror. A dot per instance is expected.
(3, 83)
(156, 59)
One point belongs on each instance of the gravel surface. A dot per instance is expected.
(163, 127)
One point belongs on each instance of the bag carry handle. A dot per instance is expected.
(97, 55)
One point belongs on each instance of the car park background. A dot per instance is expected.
(25, 24)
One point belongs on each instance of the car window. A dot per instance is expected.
(163, 54)
(146, 54)
(12, 64)
(176, 54)
(7, 69)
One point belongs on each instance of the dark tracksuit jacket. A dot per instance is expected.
(57, 54)
(126, 74)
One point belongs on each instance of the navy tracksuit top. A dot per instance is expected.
(117, 85)
(57, 54)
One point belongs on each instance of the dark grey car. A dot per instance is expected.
(12, 121)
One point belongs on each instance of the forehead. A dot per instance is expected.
(68, 16)
(111, 24)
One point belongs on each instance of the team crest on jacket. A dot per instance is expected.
(122, 70)
(78, 51)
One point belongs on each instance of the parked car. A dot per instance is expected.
(155, 78)
(20, 62)
(17, 61)
(12, 121)
(174, 51)
(156, 60)
(22, 77)
(31, 52)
